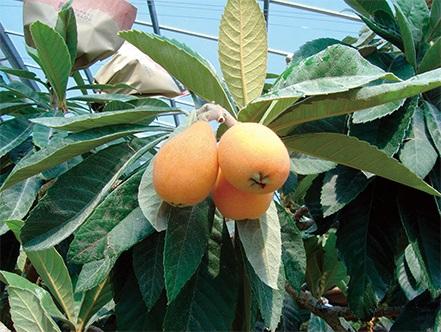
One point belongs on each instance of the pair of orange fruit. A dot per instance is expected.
(241, 172)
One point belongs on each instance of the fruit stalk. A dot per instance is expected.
(213, 112)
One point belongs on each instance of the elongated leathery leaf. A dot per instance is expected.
(18, 282)
(350, 151)
(91, 238)
(243, 49)
(154, 208)
(96, 120)
(13, 133)
(81, 190)
(57, 68)
(16, 201)
(27, 312)
(149, 269)
(262, 243)
(417, 152)
(183, 63)
(53, 271)
(185, 243)
(66, 148)
(354, 100)
(207, 303)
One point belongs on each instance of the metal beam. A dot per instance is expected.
(266, 11)
(316, 10)
(202, 35)
(156, 29)
(13, 56)
(153, 16)
(89, 75)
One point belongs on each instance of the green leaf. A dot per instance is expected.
(130, 310)
(97, 120)
(433, 123)
(196, 73)
(131, 230)
(384, 25)
(366, 287)
(387, 133)
(326, 106)
(12, 107)
(243, 49)
(336, 69)
(408, 284)
(276, 102)
(416, 271)
(12, 133)
(93, 300)
(154, 208)
(102, 87)
(418, 315)
(57, 68)
(27, 312)
(324, 268)
(434, 30)
(16, 201)
(293, 252)
(317, 324)
(94, 273)
(149, 269)
(68, 147)
(207, 303)
(22, 91)
(420, 219)
(52, 270)
(344, 64)
(340, 186)
(368, 8)
(304, 164)
(350, 151)
(306, 50)
(302, 188)
(376, 112)
(14, 280)
(21, 73)
(103, 98)
(92, 238)
(79, 189)
(215, 245)
(417, 16)
(66, 26)
(417, 154)
(186, 240)
(407, 36)
(116, 105)
(431, 59)
(269, 300)
(262, 243)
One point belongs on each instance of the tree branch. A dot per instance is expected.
(213, 112)
(332, 314)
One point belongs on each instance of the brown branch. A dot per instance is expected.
(332, 314)
(213, 112)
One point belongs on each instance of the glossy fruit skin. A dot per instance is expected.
(238, 205)
(186, 166)
(253, 158)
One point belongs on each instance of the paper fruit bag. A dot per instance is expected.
(129, 65)
(98, 22)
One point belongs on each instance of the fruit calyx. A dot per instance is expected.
(260, 180)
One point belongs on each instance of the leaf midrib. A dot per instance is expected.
(31, 311)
